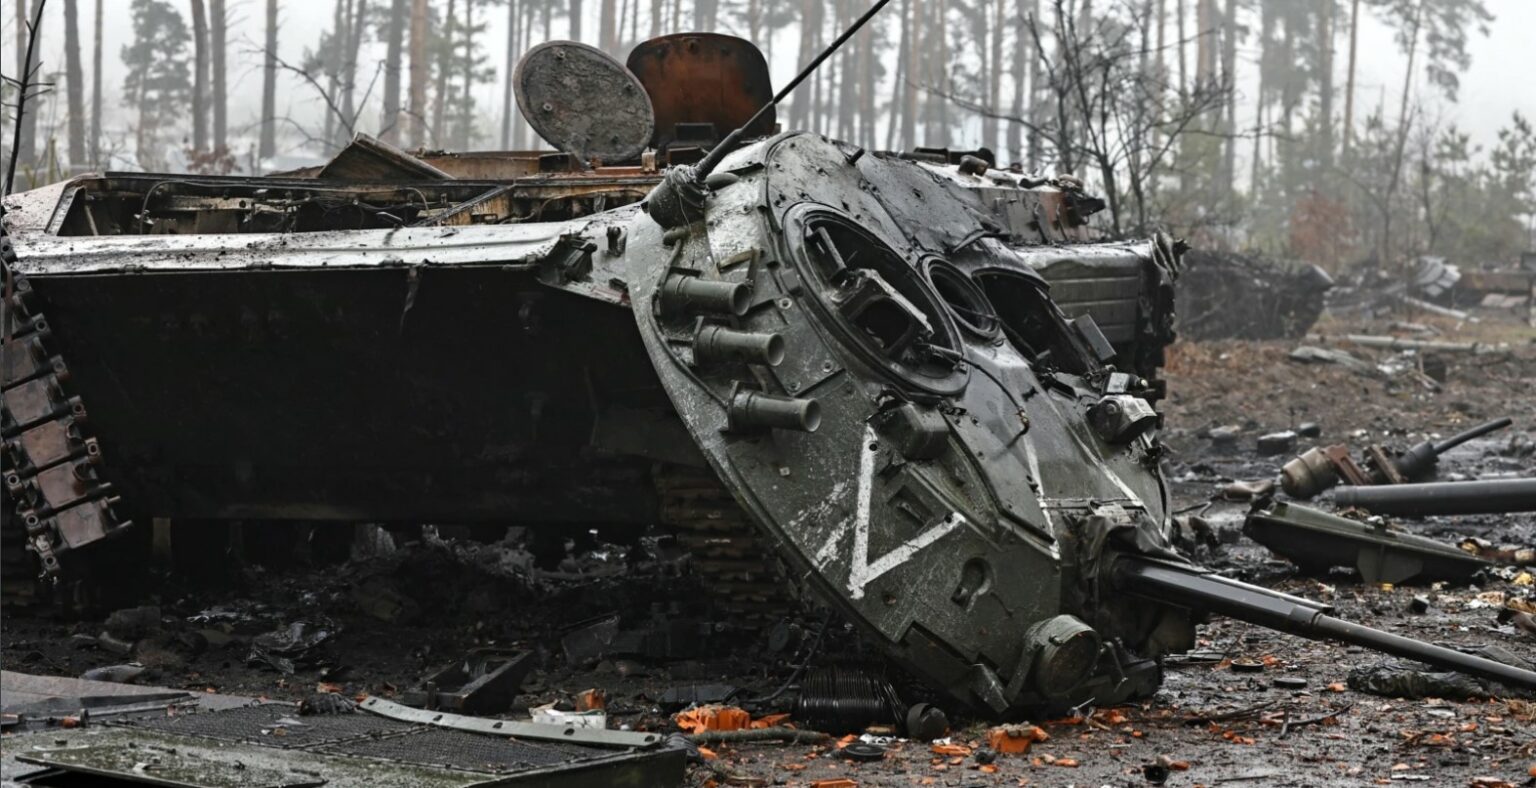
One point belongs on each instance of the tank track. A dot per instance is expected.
(54, 496)
(743, 576)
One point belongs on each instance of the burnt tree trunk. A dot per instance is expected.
(1349, 79)
(267, 147)
(199, 77)
(1325, 85)
(444, 63)
(332, 60)
(508, 101)
(1229, 83)
(389, 121)
(994, 79)
(74, 82)
(218, 46)
(607, 27)
(96, 92)
(417, 106)
(466, 126)
(354, 43)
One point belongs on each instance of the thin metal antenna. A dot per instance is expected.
(712, 159)
(24, 82)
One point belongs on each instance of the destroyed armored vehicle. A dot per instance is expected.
(860, 349)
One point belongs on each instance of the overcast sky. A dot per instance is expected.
(1498, 83)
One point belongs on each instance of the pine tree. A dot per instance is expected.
(158, 83)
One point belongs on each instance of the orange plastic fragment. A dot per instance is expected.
(989, 768)
(1337, 686)
(951, 749)
(591, 700)
(1015, 739)
(770, 721)
(836, 782)
(712, 718)
(1070, 763)
(1112, 717)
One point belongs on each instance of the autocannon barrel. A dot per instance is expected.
(1188, 587)
(1480, 497)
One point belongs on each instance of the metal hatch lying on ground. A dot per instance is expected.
(1316, 541)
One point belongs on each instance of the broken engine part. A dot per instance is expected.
(1321, 468)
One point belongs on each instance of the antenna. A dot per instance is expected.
(681, 192)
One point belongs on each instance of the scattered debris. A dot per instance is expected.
(286, 648)
(1319, 469)
(1015, 739)
(1276, 443)
(1396, 679)
(1238, 296)
(484, 682)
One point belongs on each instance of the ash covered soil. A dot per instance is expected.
(395, 607)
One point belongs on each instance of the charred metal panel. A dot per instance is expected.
(372, 161)
(703, 80)
(395, 393)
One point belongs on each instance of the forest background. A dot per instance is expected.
(1335, 131)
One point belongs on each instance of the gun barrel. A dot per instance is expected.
(1480, 497)
(1188, 587)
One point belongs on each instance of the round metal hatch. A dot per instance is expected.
(584, 102)
(703, 79)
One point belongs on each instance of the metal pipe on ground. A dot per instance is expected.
(1480, 497)
(1188, 587)
(1398, 343)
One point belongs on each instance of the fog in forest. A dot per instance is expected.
(1327, 130)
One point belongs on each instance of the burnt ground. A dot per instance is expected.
(394, 608)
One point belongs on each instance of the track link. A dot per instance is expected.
(54, 497)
